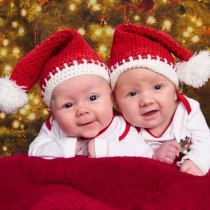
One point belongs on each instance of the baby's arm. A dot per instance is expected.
(191, 168)
(48, 144)
(167, 152)
(199, 148)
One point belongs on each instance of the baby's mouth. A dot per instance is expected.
(85, 123)
(149, 113)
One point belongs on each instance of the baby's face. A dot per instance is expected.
(82, 105)
(145, 98)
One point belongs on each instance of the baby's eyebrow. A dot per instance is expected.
(159, 79)
(60, 100)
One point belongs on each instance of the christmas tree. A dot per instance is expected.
(25, 23)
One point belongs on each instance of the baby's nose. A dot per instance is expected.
(82, 110)
(145, 100)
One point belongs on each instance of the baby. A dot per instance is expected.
(145, 80)
(75, 88)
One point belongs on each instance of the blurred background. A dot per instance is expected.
(25, 23)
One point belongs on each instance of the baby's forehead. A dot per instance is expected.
(157, 77)
(140, 78)
(144, 74)
(76, 86)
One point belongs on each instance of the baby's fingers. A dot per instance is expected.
(173, 151)
(175, 145)
(169, 160)
(185, 168)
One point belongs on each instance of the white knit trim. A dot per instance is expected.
(75, 70)
(157, 65)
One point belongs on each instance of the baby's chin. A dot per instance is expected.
(85, 135)
(90, 134)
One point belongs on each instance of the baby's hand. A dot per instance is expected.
(191, 168)
(78, 147)
(167, 152)
(91, 148)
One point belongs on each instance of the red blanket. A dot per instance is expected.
(104, 183)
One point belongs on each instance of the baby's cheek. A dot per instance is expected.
(130, 117)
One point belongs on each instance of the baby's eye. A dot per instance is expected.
(93, 97)
(132, 93)
(68, 105)
(157, 87)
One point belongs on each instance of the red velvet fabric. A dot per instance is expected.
(103, 183)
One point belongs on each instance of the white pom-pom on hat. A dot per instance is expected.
(12, 96)
(196, 71)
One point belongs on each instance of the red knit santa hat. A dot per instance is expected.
(63, 55)
(136, 46)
